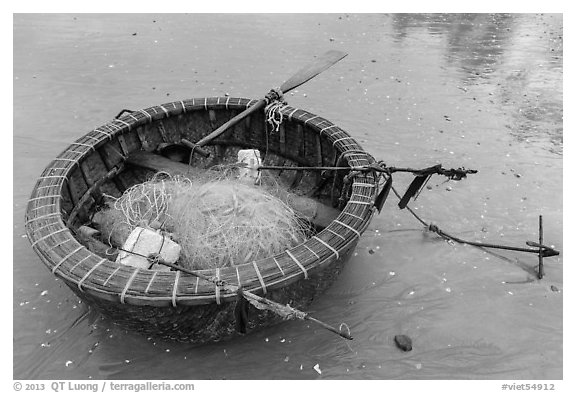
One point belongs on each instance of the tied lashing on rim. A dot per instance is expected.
(273, 110)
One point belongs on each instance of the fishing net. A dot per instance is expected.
(218, 222)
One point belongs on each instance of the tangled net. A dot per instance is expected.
(217, 222)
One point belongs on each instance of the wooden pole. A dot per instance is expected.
(249, 295)
(322, 63)
(540, 253)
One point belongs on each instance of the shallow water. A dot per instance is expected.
(480, 91)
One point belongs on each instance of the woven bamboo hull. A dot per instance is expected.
(212, 322)
(175, 305)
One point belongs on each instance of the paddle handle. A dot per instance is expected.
(195, 147)
(233, 121)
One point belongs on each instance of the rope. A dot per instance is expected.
(541, 249)
(452, 174)
(273, 111)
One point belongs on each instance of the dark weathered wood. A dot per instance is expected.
(77, 185)
(67, 204)
(87, 198)
(130, 142)
(212, 117)
(259, 105)
(94, 168)
(87, 238)
(158, 163)
(195, 148)
(150, 136)
(111, 154)
(540, 251)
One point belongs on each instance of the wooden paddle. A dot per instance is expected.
(322, 63)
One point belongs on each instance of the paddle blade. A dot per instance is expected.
(241, 314)
(322, 63)
(383, 195)
(412, 190)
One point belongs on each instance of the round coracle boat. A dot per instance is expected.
(198, 307)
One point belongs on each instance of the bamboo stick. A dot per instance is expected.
(251, 296)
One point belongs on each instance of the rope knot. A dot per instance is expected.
(273, 111)
(351, 175)
(274, 95)
(153, 258)
(379, 167)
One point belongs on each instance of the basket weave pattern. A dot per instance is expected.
(65, 190)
